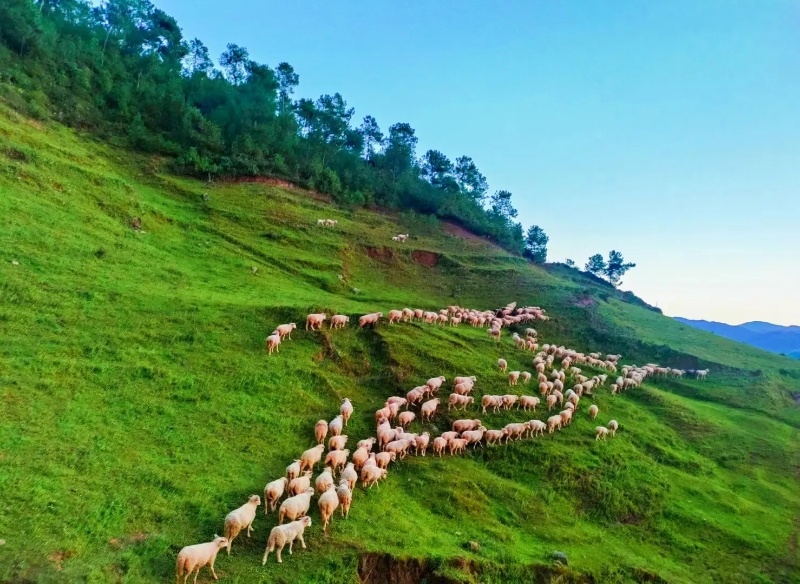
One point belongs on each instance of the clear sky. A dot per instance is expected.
(667, 130)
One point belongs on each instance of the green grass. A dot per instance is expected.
(138, 406)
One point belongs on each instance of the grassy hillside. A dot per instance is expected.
(138, 406)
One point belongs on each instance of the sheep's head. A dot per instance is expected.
(220, 541)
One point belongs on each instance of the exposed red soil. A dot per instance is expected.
(425, 258)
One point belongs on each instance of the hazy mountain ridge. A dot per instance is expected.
(764, 335)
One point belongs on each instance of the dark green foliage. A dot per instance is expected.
(122, 68)
(536, 244)
(596, 265)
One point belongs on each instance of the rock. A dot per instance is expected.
(474, 546)
(560, 557)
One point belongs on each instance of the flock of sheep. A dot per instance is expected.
(370, 460)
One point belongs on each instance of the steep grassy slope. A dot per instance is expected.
(138, 407)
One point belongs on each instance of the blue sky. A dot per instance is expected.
(666, 130)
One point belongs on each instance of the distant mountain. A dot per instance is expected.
(764, 335)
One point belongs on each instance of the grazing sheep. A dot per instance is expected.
(349, 474)
(465, 380)
(526, 376)
(513, 377)
(405, 418)
(395, 316)
(293, 470)
(701, 373)
(339, 321)
(241, 518)
(398, 447)
(528, 402)
(566, 417)
(457, 445)
(346, 410)
(474, 436)
(421, 443)
(337, 442)
(345, 495)
(328, 502)
(194, 557)
(439, 445)
(299, 484)
(494, 436)
(336, 459)
(370, 475)
(320, 431)
(435, 383)
(553, 423)
(273, 343)
(285, 330)
(428, 409)
(273, 492)
(515, 431)
(311, 457)
(600, 433)
(593, 411)
(295, 507)
(367, 443)
(536, 427)
(502, 364)
(552, 399)
(492, 401)
(336, 426)
(509, 400)
(369, 319)
(382, 459)
(360, 456)
(612, 427)
(464, 425)
(283, 534)
(323, 480)
(459, 401)
(314, 321)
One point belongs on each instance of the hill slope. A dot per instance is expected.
(764, 335)
(138, 406)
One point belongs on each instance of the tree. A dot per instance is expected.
(399, 150)
(197, 59)
(570, 263)
(436, 169)
(372, 136)
(470, 181)
(287, 81)
(500, 205)
(616, 267)
(234, 62)
(596, 265)
(536, 244)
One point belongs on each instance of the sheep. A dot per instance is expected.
(474, 436)
(459, 401)
(593, 410)
(428, 409)
(299, 484)
(369, 319)
(515, 431)
(322, 222)
(382, 459)
(283, 534)
(551, 401)
(336, 426)
(295, 506)
(544, 388)
(273, 343)
(526, 376)
(194, 557)
(513, 377)
(701, 373)
(370, 475)
(241, 518)
(566, 417)
(455, 321)
(349, 474)
(314, 321)
(527, 402)
(463, 388)
(323, 481)
(337, 458)
(344, 493)
(494, 436)
(553, 423)
(613, 425)
(536, 427)
(493, 401)
(320, 431)
(360, 456)
(435, 383)
(502, 364)
(273, 492)
(464, 380)
(457, 445)
(408, 315)
(293, 470)
(395, 316)
(367, 443)
(464, 425)
(398, 447)
(600, 433)
(414, 396)
(339, 321)
(311, 457)
(400, 401)
(327, 503)
(285, 330)
(439, 444)
(421, 443)
(346, 410)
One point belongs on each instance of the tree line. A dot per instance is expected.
(123, 68)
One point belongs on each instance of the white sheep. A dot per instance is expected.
(593, 411)
(299, 484)
(241, 518)
(193, 557)
(345, 495)
(323, 480)
(285, 330)
(336, 425)
(502, 364)
(349, 474)
(295, 507)
(613, 425)
(293, 470)
(283, 534)
(346, 410)
(337, 442)
(315, 321)
(600, 433)
(311, 457)
(428, 409)
(273, 343)
(320, 431)
(273, 492)
(328, 502)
